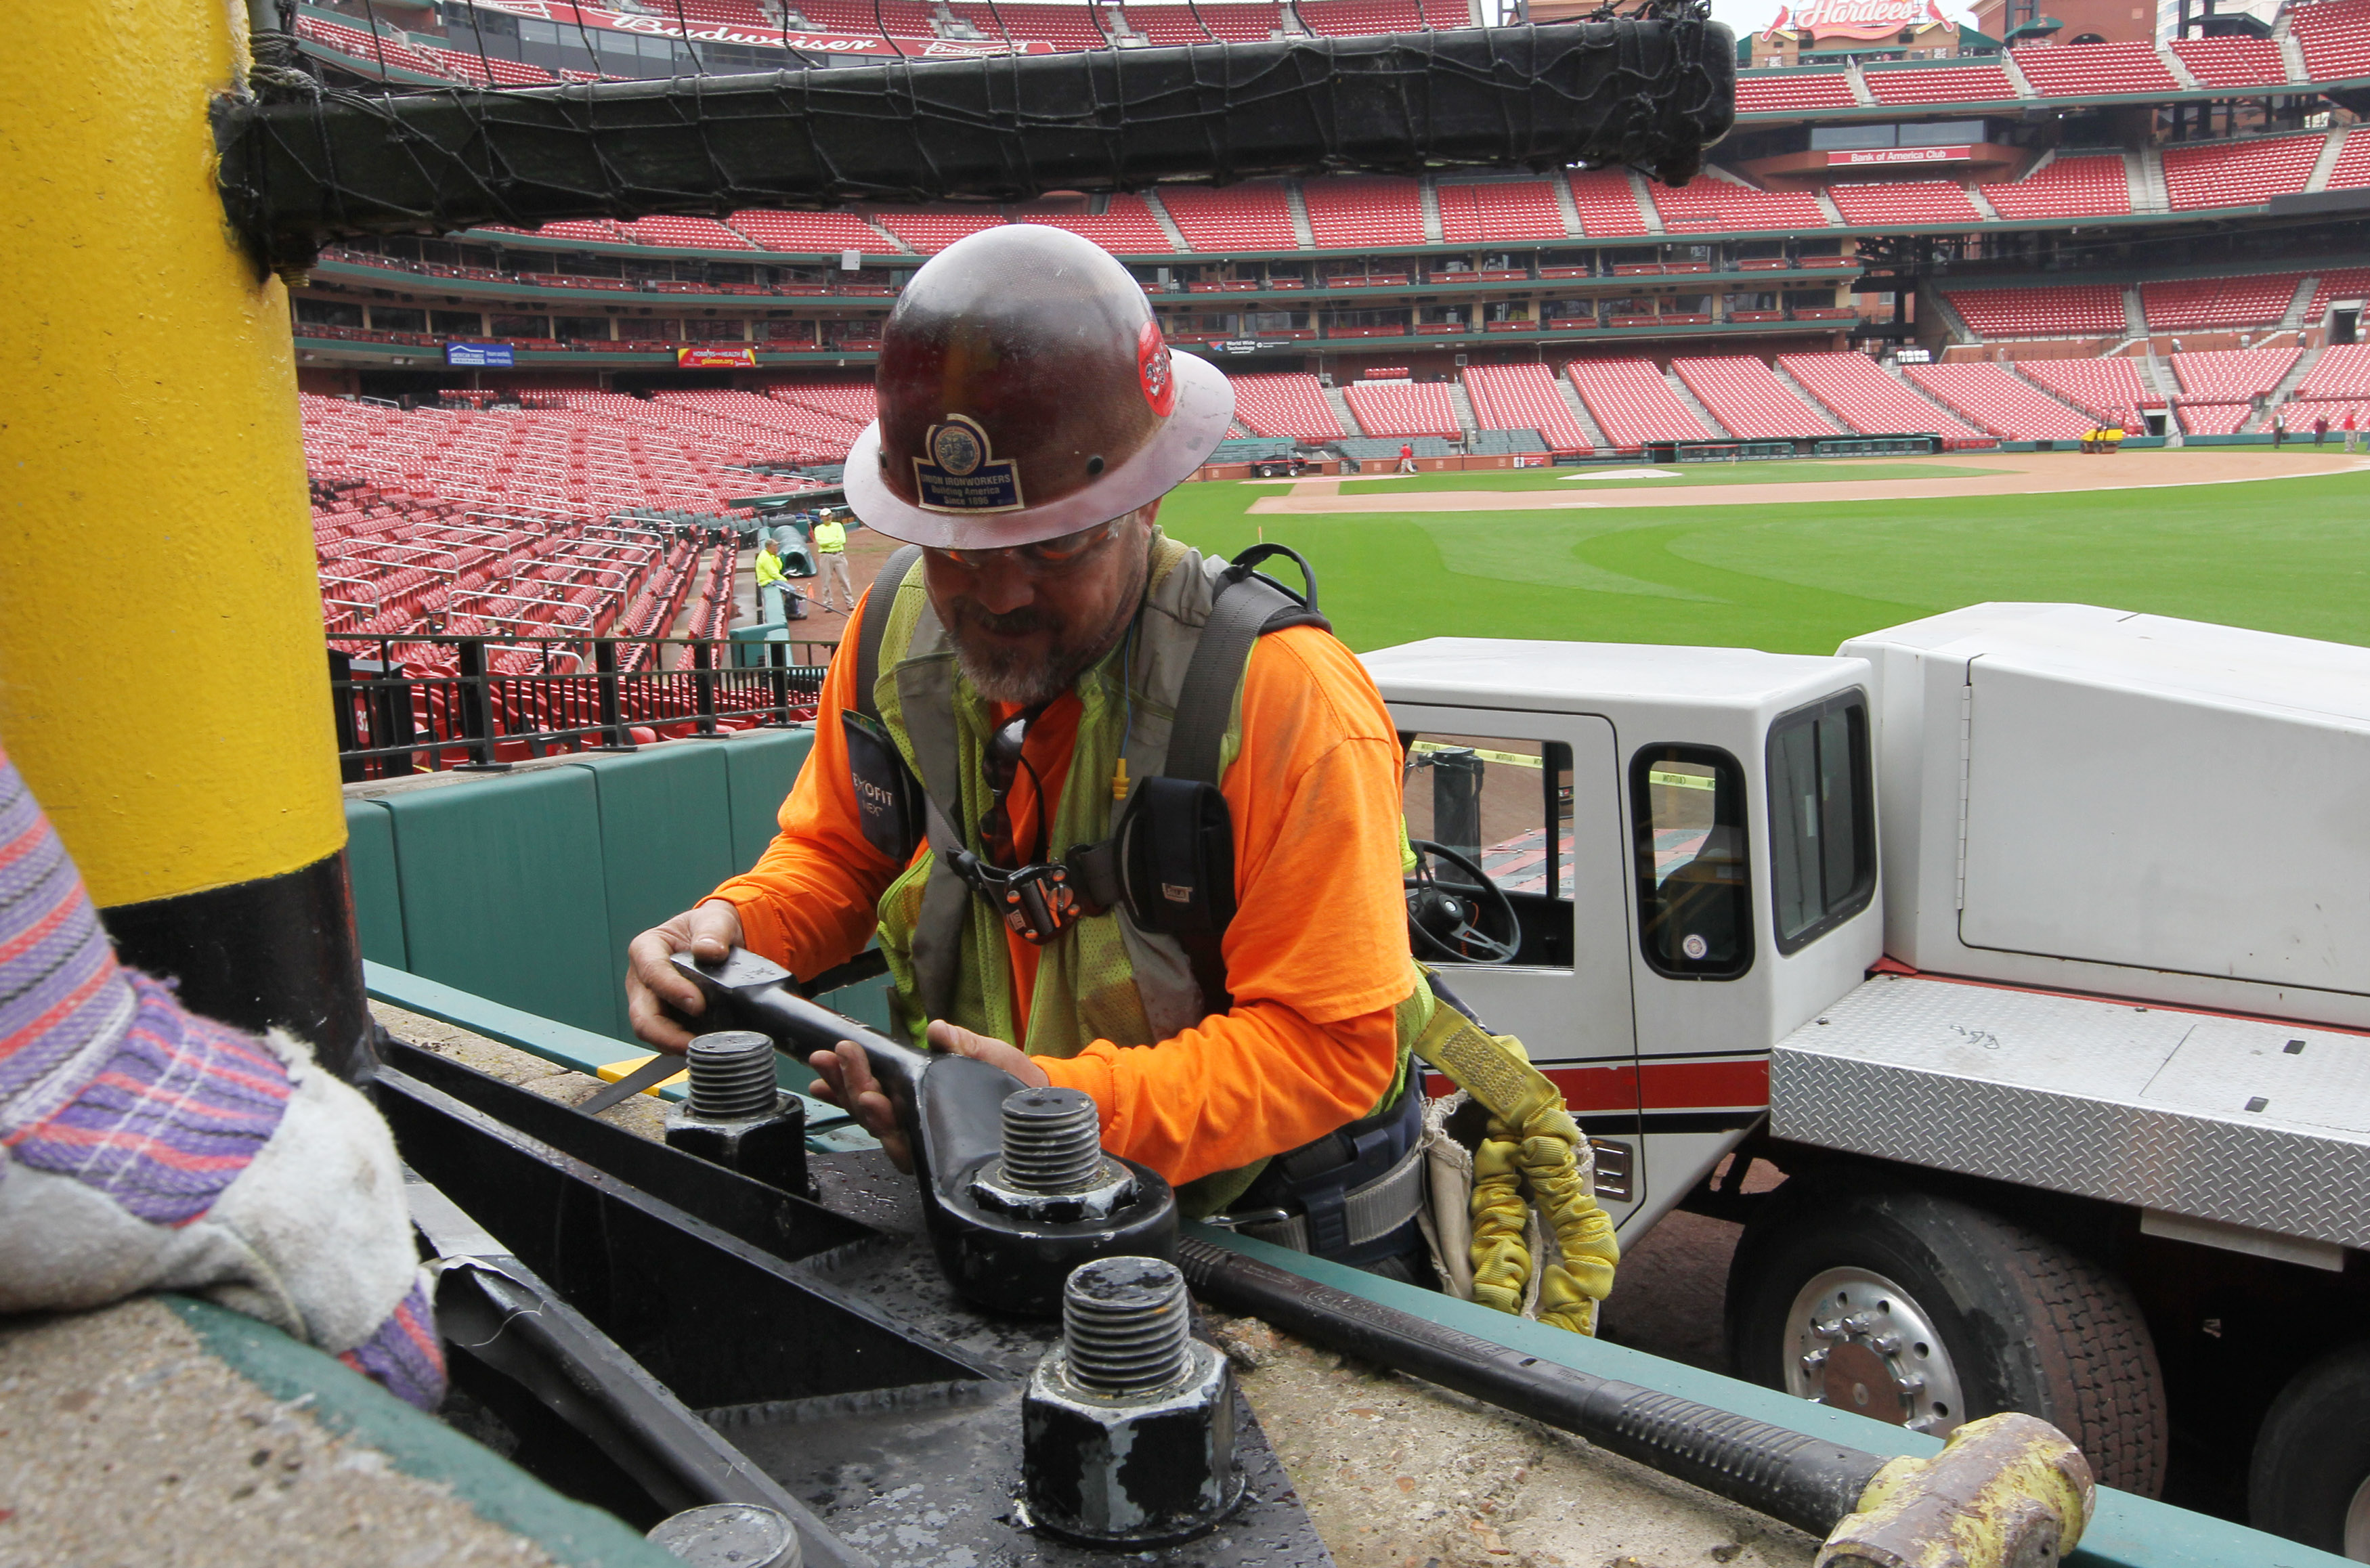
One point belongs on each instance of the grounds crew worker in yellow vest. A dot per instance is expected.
(1029, 662)
(831, 564)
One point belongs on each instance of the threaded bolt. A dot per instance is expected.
(1052, 1141)
(1124, 1322)
(731, 1076)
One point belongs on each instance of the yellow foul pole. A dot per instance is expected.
(163, 682)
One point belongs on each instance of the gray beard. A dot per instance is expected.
(1019, 682)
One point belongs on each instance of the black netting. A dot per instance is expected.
(302, 164)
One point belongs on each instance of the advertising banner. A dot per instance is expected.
(807, 39)
(1857, 18)
(1859, 156)
(479, 355)
(715, 356)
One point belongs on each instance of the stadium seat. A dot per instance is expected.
(2334, 38)
(1748, 400)
(1495, 211)
(813, 232)
(2105, 389)
(1403, 409)
(1285, 405)
(1607, 202)
(1253, 216)
(1633, 405)
(929, 230)
(2232, 375)
(1964, 84)
(2240, 174)
(2096, 186)
(1524, 397)
(2233, 61)
(2094, 70)
(1709, 203)
(2064, 311)
(1869, 399)
(1128, 227)
(1881, 204)
(1989, 395)
(2189, 305)
(1771, 92)
(1350, 210)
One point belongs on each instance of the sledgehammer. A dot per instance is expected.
(2007, 1492)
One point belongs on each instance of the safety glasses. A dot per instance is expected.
(1047, 558)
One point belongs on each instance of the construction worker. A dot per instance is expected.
(831, 562)
(772, 582)
(1033, 662)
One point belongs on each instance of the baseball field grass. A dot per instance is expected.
(2286, 555)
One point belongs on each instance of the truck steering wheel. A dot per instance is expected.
(1450, 925)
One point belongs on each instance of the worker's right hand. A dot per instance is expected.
(708, 931)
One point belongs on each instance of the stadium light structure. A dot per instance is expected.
(299, 167)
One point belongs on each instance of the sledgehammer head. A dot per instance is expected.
(2007, 1492)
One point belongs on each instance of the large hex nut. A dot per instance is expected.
(1143, 1471)
(769, 1148)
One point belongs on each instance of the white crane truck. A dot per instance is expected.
(2030, 941)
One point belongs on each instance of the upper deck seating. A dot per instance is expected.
(2090, 186)
(697, 233)
(1709, 203)
(1768, 92)
(931, 229)
(1880, 203)
(1341, 17)
(2095, 70)
(1352, 210)
(2064, 311)
(1497, 210)
(2186, 304)
(2238, 174)
(1607, 202)
(820, 232)
(1962, 84)
(2233, 61)
(1127, 228)
(1255, 215)
(2334, 37)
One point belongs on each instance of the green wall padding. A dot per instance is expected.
(505, 893)
(378, 891)
(761, 765)
(665, 842)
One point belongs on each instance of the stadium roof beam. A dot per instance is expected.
(1651, 93)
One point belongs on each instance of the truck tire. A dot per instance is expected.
(2310, 1477)
(1928, 1312)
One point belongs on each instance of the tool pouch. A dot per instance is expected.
(888, 796)
(1177, 857)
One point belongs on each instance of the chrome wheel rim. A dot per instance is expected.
(1856, 1341)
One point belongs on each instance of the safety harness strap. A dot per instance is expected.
(875, 630)
(1366, 1214)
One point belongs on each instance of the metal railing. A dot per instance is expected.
(407, 705)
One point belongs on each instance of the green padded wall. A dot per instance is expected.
(378, 892)
(761, 766)
(665, 842)
(505, 893)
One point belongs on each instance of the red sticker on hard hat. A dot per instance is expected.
(1152, 366)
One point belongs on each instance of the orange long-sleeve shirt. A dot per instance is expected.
(1315, 957)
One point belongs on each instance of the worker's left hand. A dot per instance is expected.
(846, 1080)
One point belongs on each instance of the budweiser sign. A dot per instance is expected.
(1864, 156)
(595, 19)
(1856, 18)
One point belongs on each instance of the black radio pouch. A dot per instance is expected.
(888, 796)
(1177, 857)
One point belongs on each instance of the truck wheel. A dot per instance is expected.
(2310, 1479)
(1927, 1313)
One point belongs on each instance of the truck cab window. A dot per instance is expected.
(1505, 804)
(1822, 821)
(1695, 910)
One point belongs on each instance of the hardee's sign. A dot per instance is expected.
(1854, 18)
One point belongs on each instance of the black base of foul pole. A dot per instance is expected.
(277, 951)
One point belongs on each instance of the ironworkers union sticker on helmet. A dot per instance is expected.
(962, 472)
